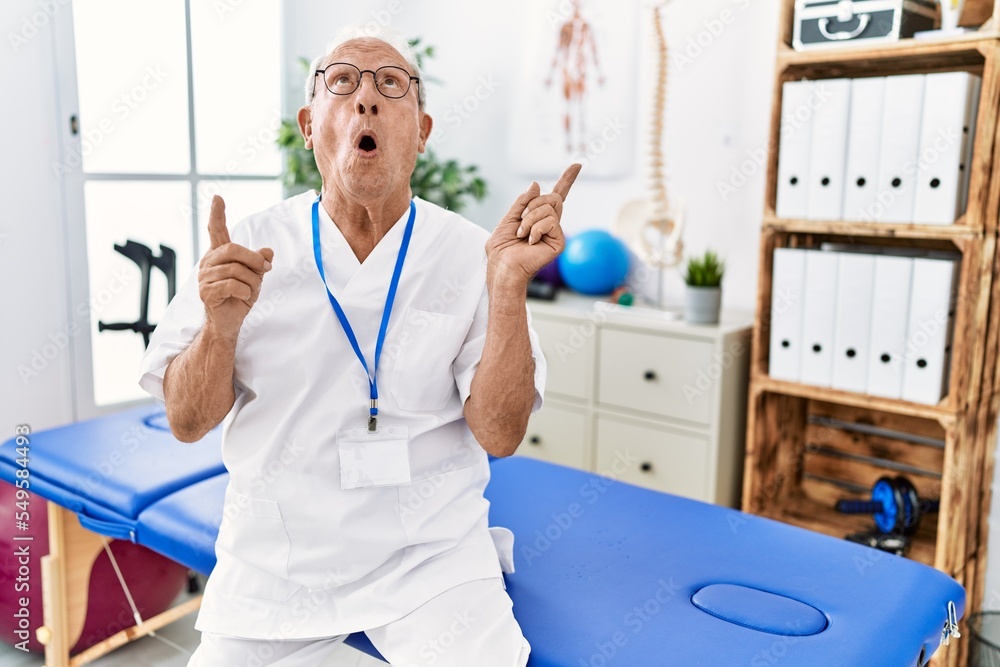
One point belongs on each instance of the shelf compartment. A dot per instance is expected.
(978, 56)
(805, 454)
(970, 325)
(804, 512)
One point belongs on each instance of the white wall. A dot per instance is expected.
(33, 290)
(718, 110)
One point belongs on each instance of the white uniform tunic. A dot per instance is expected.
(298, 557)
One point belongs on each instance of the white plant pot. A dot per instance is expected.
(702, 304)
(951, 12)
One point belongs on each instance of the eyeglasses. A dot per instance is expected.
(344, 78)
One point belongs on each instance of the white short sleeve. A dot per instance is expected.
(471, 353)
(180, 323)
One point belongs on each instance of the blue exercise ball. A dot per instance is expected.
(594, 263)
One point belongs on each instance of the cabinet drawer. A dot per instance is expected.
(557, 435)
(569, 352)
(672, 377)
(660, 459)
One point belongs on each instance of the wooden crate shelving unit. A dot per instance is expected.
(808, 446)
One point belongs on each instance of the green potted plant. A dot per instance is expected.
(703, 295)
(442, 182)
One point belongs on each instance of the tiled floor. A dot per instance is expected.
(154, 652)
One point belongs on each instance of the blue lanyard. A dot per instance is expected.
(372, 376)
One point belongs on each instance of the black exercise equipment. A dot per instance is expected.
(894, 505)
(897, 545)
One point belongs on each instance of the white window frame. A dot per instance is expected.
(73, 182)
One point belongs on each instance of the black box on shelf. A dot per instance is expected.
(833, 23)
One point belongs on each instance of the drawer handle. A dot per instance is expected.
(646, 466)
(650, 375)
(535, 440)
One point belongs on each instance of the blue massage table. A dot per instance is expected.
(606, 573)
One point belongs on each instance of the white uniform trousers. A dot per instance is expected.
(470, 624)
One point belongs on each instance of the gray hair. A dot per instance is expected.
(390, 36)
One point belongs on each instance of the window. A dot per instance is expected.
(178, 100)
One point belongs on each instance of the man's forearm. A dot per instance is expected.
(503, 389)
(198, 385)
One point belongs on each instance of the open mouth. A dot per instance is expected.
(367, 144)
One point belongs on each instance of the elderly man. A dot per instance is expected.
(366, 350)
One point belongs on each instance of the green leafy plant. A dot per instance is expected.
(443, 182)
(705, 271)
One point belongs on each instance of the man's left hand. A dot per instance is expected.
(529, 236)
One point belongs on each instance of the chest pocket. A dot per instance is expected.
(422, 378)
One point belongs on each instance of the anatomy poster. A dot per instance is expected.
(576, 89)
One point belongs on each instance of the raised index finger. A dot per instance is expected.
(567, 179)
(217, 232)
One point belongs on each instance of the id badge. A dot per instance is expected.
(373, 459)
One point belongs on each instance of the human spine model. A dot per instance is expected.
(669, 250)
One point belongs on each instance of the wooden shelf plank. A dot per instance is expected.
(804, 512)
(912, 49)
(872, 229)
(940, 413)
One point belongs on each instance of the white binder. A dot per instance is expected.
(852, 322)
(818, 309)
(890, 311)
(951, 100)
(929, 329)
(863, 143)
(788, 273)
(793, 148)
(901, 119)
(828, 151)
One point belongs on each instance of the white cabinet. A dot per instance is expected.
(558, 435)
(643, 397)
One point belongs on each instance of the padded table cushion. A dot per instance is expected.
(109, 469)
(184, 525)
(606, 571)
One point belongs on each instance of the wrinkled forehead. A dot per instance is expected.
(367, 53)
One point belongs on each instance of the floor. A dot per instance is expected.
(171, 647)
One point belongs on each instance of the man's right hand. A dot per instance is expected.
(229, 276)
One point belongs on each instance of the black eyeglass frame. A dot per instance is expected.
(361, 74)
